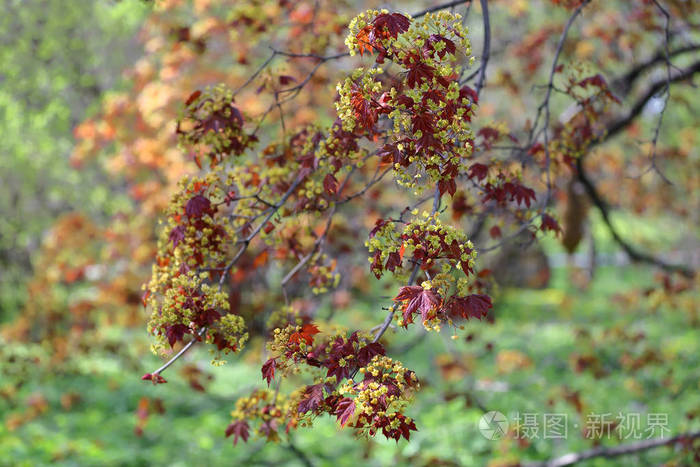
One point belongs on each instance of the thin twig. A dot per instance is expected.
(440, 7)
(666, 91)
(487, 46)
(545, 102)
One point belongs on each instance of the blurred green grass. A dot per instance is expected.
(540, 325)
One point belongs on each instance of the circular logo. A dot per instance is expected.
(493, 425)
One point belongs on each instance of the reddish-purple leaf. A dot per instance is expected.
(177, 235)
(419, 299)
(268, 370)
(175, 333)
(366, 353)
(471, 306)
(344, 410)
(419, 71)
(197, 206)
(330, 184)
(519, 193)
(285, 80)
(478, 171)
(193, 97)
(239, 429)
(549, 223)
(393, 23)
(393, 261)
(313, 395)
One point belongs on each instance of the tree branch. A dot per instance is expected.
(625, 82)
(615, 451)
(620, 124)
(439, 7)
(487, 46)
(634, 254)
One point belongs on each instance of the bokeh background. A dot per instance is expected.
(89, 92)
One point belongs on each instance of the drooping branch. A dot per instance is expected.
(625, 82)
(633, 253)
(224, 273)
(623, 122)
(615, 451)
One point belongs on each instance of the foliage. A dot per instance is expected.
(267, 148)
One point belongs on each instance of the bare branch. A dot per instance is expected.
(615, 451)
(624, 83)
(632, 252)
(443, 6)
(545, 102)
(618, 125)
(487, 46)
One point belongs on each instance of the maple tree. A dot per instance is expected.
(266, 159)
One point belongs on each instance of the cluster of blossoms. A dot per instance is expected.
(263, 405)
(212, 126)
(181, 291)
(594, 98)
(425, 241)
(372, 405)
(429, 114)
(377, 402)
(445, 254)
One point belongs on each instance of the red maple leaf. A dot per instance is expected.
(197, 206)
(268, 370)
(344, 410)
(363, 40)
(480, 171)
(366, 353)
(285, 80)
(466, 91)
(177, 235)
(449, 45)
(519, 193)
(364, 112)
(193, 97)
(175, 333)
(471, 306)
(239, 429)
(391, 24)
(549, 223)
(393, 261)
(419, 299)
(330, 184)
(391, 154)
(418, 71)
(306, 334)
(311, 399)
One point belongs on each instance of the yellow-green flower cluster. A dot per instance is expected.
(213, 125)
(360, 85)
(381, 372)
